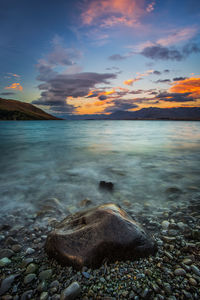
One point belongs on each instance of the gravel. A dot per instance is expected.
(173, 273)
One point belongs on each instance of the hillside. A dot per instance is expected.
(17, 110)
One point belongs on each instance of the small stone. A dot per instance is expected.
(106, 185)
(54, 283)
(6, 253)
(31, 268)
(192, 281)
(145, 293)
(29, 278)
(26, 295)
(125, 294)
(42, 286)
(71, 292)
(55, 297)
(182, 226)
(7, 297)
(187, 294)
(196, 234)
(4, 261)
(168, 255)
(187, 261)
(180, 272)
(169, 239)
(167, 288)
(16, 247)
(195, 270)
(86, 275)
(44, 296)
(10, 241)
(46, 274)
(26, 261)
(165, 225)
(30, 251)
(159, 242)
(127, 203)
(86, 202)
(6, 284)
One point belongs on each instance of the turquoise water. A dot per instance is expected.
(67, 159)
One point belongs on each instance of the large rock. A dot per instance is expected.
(104, 232)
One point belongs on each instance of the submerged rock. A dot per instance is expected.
(104, 232)
(106, 185)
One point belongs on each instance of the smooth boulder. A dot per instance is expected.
(89, 237)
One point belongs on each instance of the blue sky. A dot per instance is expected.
(93, 57)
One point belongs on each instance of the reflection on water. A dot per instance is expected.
(67, 159)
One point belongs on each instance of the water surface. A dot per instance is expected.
(67, 159)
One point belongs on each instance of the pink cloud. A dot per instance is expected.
(115, 12)
(177, 36)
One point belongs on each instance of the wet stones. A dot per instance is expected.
(102, 233)
(71, 292)
(7, 283)
(180, 272)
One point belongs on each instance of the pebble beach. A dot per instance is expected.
(26, 272)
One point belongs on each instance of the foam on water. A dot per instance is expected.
(67, 159)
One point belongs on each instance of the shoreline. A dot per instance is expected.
(173, 273)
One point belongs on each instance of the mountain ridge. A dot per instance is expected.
(16, 110)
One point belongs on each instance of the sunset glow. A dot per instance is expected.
(99, 57)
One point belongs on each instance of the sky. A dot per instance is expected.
(88, 57)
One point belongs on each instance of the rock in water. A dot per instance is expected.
(104, 232)
(106, 185)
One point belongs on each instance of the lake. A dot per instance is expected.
(153, 162)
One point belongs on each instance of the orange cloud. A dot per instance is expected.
(15, 86)
(139, 77)
(189, 85)
(113, 12)
(111, 92)
(131, 81)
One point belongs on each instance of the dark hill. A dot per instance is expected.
(155, 113)
(17, 110)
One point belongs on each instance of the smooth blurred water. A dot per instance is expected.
(67, 159)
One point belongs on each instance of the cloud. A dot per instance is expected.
(177, 36)
(117, 57)
(150, 7)
(175, 97)
(108, 13)
(189, 85)
(58, 88)
(157, 52)
(139, 77)
(61, 55)
(179, 78)
(102, 97)
(160, 52)
(136, 92)
(7, 93)
(131, 81)
(120, 104)
(156, 72)
(191, 48)
(163, 81)
(15, 86)
(13, 75)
